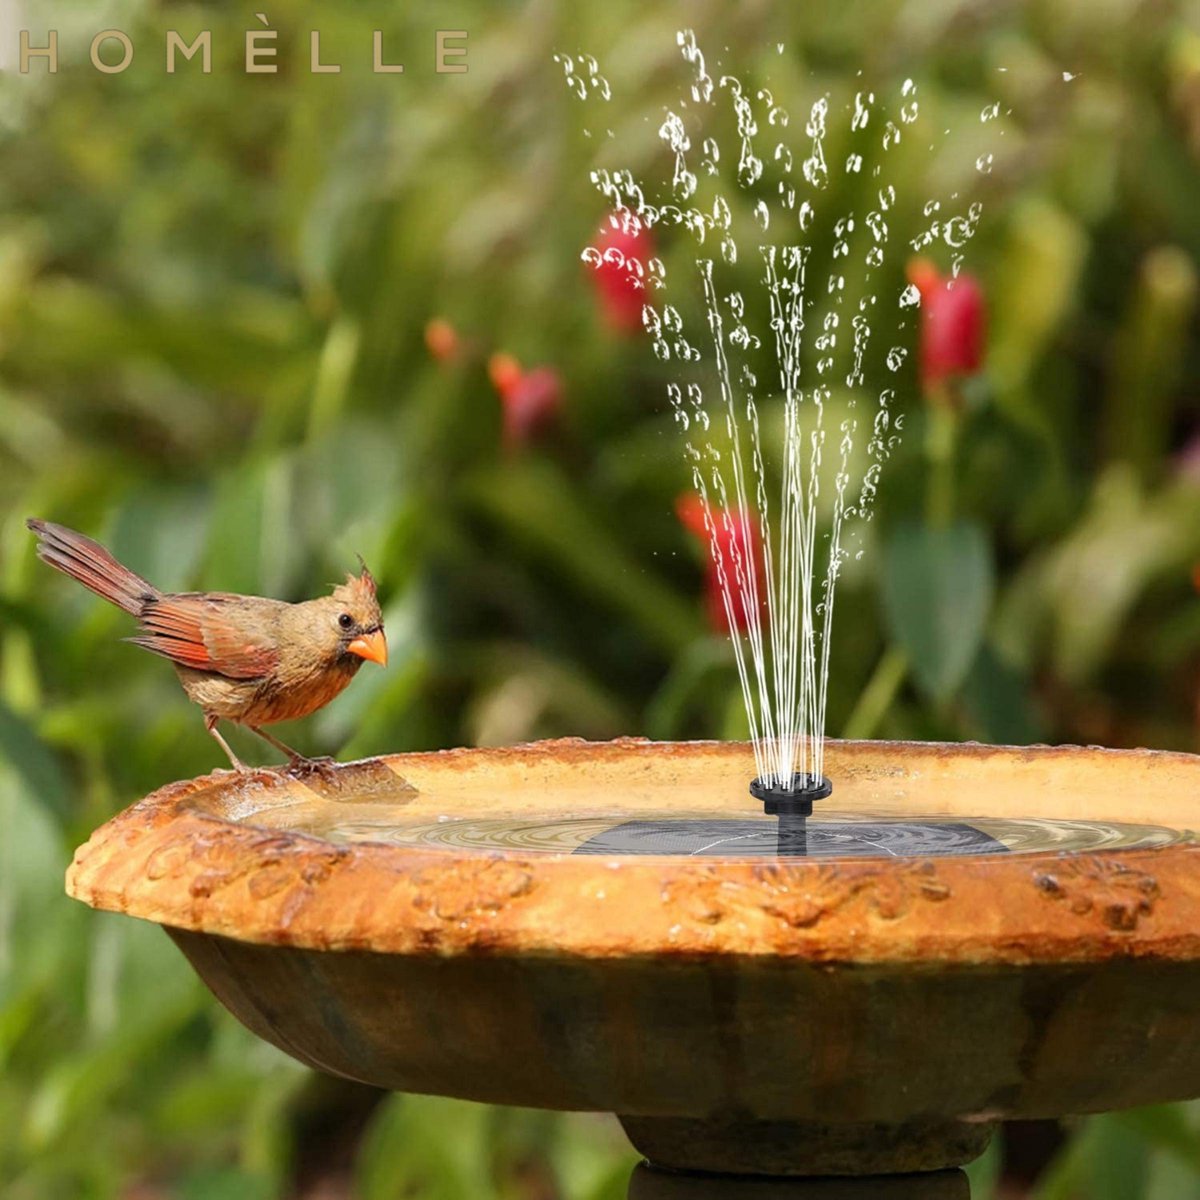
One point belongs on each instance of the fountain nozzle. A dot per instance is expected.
(794, 800)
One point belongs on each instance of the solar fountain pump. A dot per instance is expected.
(793, 806)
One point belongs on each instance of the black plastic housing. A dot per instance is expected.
(797, 800)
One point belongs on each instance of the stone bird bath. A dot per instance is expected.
(518, 926)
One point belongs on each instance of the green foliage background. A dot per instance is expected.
(212, 297)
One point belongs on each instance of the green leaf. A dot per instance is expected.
(690, 681)
(985, 1170)
(245, 552)
(1166, 1127)
(999, 702)
(1128, 540)
(544, 510)
(160, 532)
(446, 1150)
(34, 764)
(938, 584)
(1118, 1164)
(226, 1183)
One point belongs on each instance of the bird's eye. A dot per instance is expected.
(346, 621)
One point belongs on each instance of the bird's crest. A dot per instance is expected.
(360, 586)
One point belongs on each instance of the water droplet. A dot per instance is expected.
(702, 85)
(809, 462)
(990, 112)
(674, 133)
(815, 170)
(862, 110)
(750, 169)
(957, 232)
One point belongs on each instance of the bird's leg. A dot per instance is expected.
(296, 760)
(210, 723)
(294, 755)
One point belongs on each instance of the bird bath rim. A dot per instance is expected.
(770, 1016)
(192, 857)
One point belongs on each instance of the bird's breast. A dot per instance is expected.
(288, 699)
(282, 696)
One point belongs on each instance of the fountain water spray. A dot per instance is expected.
(778, 542)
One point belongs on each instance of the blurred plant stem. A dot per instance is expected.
(941, 441)
(334, 373)
(877, 697)
(1148, 357)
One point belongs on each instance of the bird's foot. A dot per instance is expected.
(248, 773)
(300, 766)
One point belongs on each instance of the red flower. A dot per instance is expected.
(733, 546)
(619, 284)
(531, 400)
(441, 339)
(953, 323)
(504, 371)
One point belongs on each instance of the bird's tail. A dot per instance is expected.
(91, 565)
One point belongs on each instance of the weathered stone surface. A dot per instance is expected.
(843, 996)
(737, 1147)
(648, 1183)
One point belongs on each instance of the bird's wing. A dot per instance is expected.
(215, 632)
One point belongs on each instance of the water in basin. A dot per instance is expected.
(830, 834)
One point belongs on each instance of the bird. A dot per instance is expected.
(248, 660)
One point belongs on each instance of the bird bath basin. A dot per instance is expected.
(974, 933)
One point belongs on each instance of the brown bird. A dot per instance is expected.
(244, 659)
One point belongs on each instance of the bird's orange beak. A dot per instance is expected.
(372, 646)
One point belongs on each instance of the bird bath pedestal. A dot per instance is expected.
(975, 933)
